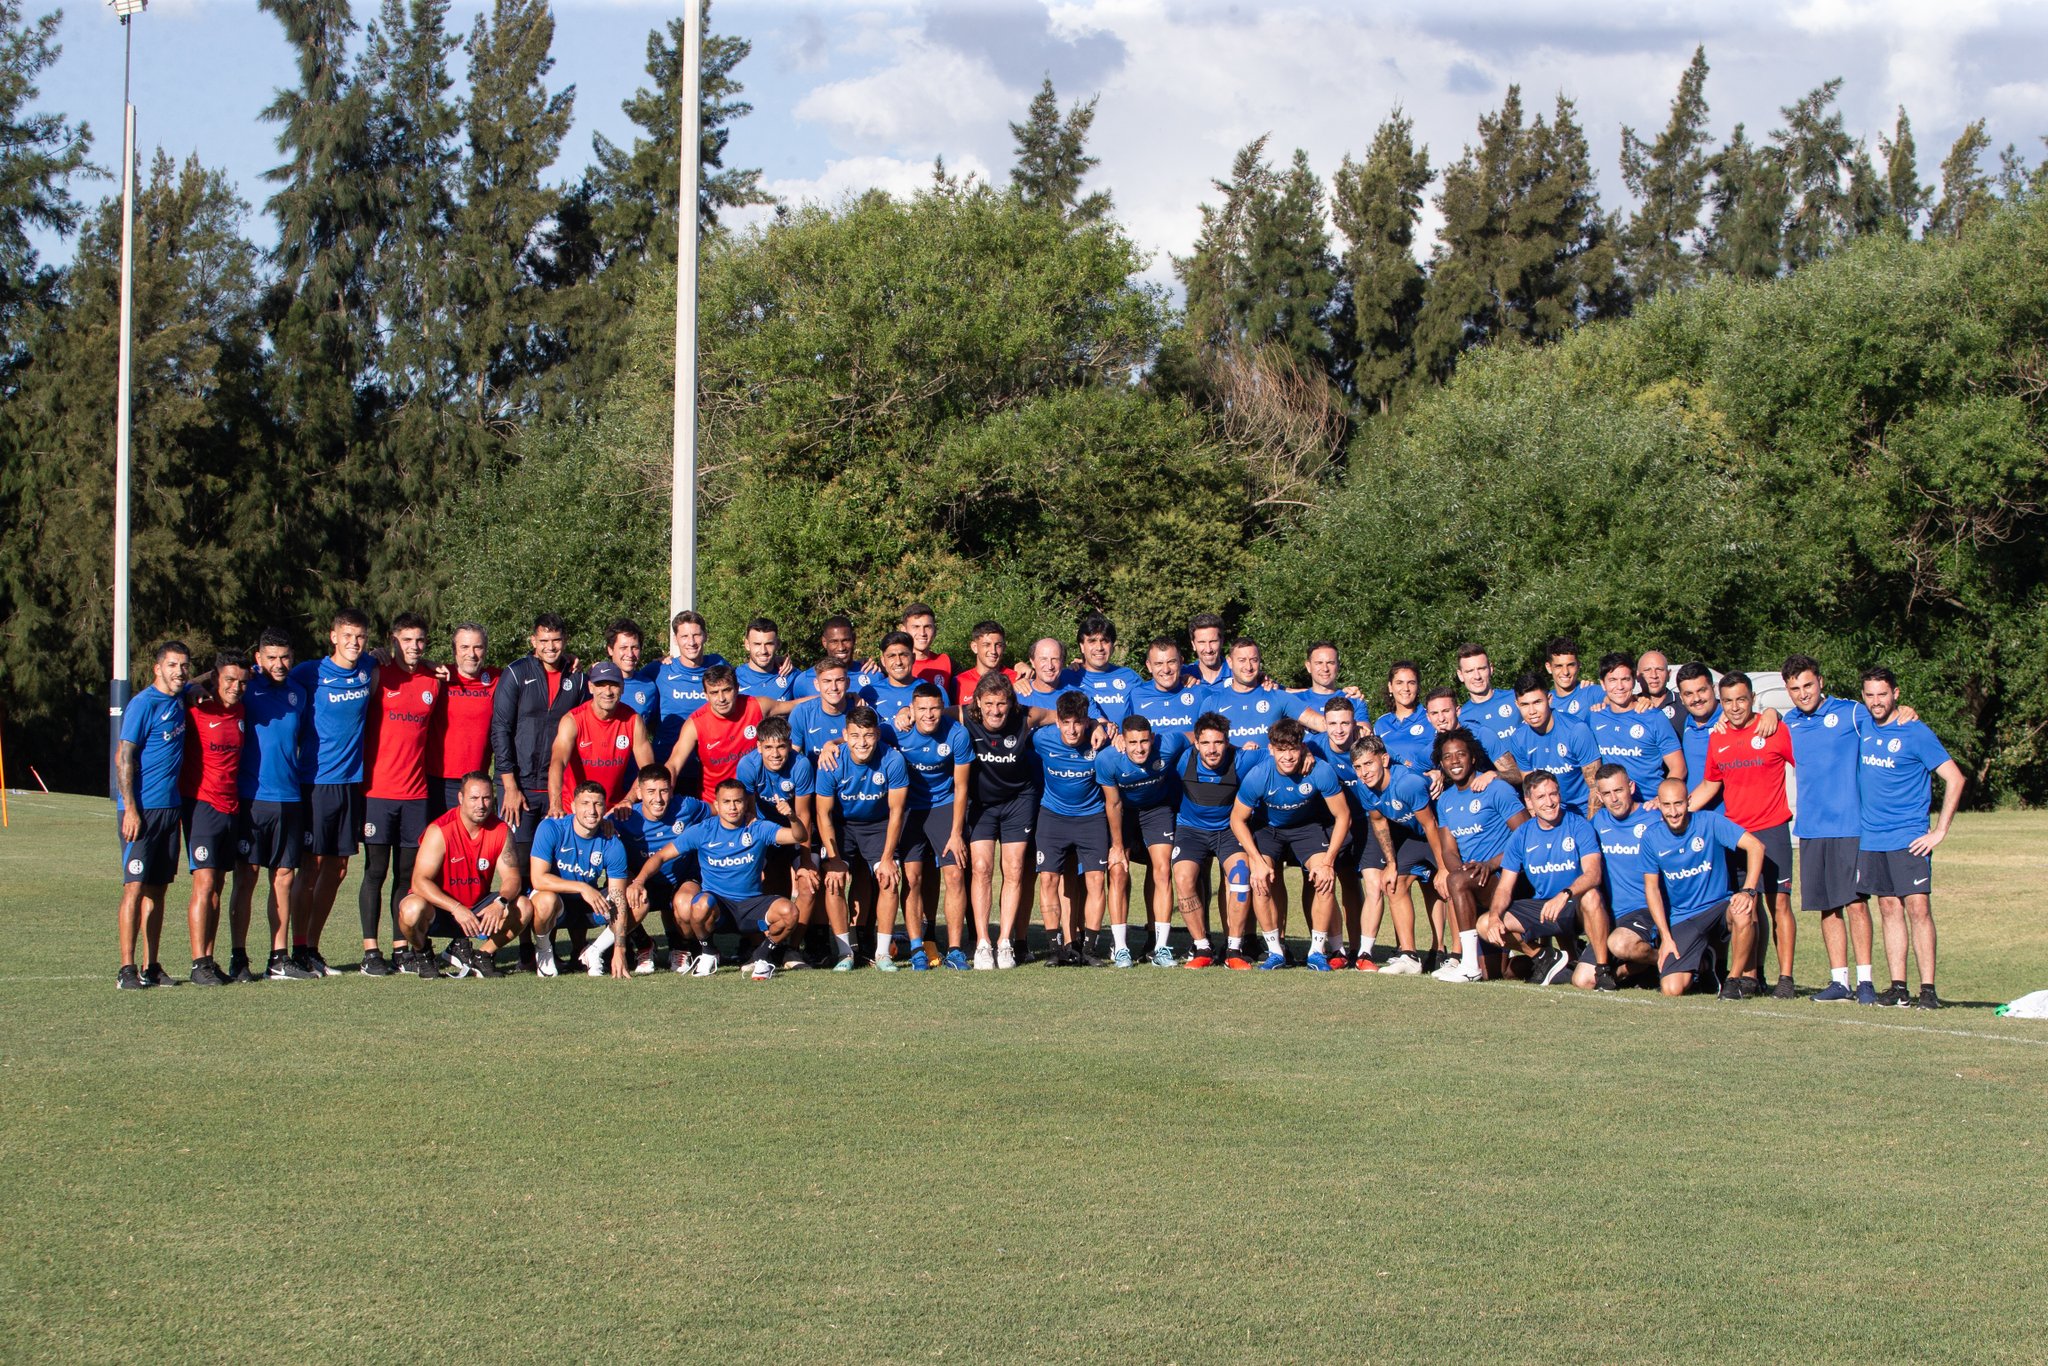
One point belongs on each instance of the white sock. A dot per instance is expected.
(1318, 941)
(1364, 948)
(602, 944)
(1235, 942)
(1201, 946)
(1468, 949)
(1120, 933)
(844, 943)
(1274, 943)
(1862, 974)
(1839, 976)
(1162, 930)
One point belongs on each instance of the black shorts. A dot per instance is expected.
(1777, 875)
(214, 839)
(1412, 856)
(743, 913)
(444, 923)
(1009, 822)
(863, 841)
(1693, 938)
(1827, 873)
(529, 821)
(925, 834)
(1894, 872)
(1637, 923)
(444, 793)
(151, 858)
(1526, 913)
(1145, 826)
(400, 823)
(1072, 844)
(1193, 844)
(1297, 842)
(334, 816)
(276, 833)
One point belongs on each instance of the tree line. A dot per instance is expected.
(447, 387)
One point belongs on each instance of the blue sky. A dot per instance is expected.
(849, 96)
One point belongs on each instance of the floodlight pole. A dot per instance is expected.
(118, 685)
(682, 563)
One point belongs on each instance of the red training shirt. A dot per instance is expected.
(938, 670)
(213, 755)
(603, 753)
(1751, 771)
(466, 871)
(964, 683)
(404, 705)
(723, 742)
(459, 735)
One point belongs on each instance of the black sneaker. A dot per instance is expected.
(238, 967)
(1895, 995)
(155, 975)
(1927, 1000)
(1603, 978)
(375, 964)
(207, 973)
(130, 979)
(461, 956)
(1548, 967)
(1784, 991)
(320, 966)
(285, 967)
(426, 966)
(405, 959)
(483, 962)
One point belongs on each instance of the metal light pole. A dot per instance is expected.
(682, 517)
(118, 687)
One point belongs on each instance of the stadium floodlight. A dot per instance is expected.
(682, 523)
(119, 687)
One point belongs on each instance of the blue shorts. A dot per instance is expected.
(334, 818)
(444, 923)
(151, 858)
(276, 833)
(1525, 912)
(925, 834)
(1072, 844)
(1412, 855)
(394, 822)
(863, 841)
(1893, 873)
(1694, 938)
(1297, 842)
(1637, 923)
(1145, 826)
(1009, 822)
(743, 913)
(1194, 844)
(214, 839)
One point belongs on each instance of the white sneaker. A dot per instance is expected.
(1402, 965)
(644, 964)
(704, 965)
(593, 962)
(679, 962)
(762, 971)
(544, 957)
(1456, 971)
(984, 957)
(1006, 955)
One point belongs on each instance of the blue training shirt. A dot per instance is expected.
(796, 778)
(1693, 862)
(1579, 702)
(682, 691)
(1156, 783)
(888, 699)
(644, 834)
(1624, 861)
(1638, 741)
(1067, 773)
(1190, 768)
(729, 860)
(331, 743)
(1549, 857)
(1692, 742)
(1827, 745)
(1478, 821)
(597, 859)
(811, 727)
(765, 684)
(1168, 709)
(270, 758)
(930, 760)
(1409, 739)
(1565, 749)
(1400, 801)
(862, 790)
(1896, 762)
(1492, 719)
(805, 684)
(154, 722)
(1289, 801)
(1251, 714)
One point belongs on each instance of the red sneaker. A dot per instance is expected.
(1200, 960)
(1237, 962)
(1338, 962)
(1365, 963)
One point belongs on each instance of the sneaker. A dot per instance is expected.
(482, 961)
(761, 971)
(459, 958)
(1866, 994)
(321, 965)
(1603, 978)
(1339, 960)
(429, 967)
(1835, 991)
(155, 976)
(593, 960)
(1120, 957)
(704, 965)
(1321, 962)
(1553, 966)
(1400, 965)
(1006, 955)
(544, 957)
(285, 968)
(403, 960)
(1455, 971)
(130, 979)
(678, 962)
(885, 963)
(375, 964)
(207, 973)
(1731, 990)
(1072, 956)
(643, 963)
(1200, 958)
(1162, 957)
(238, 967)
(920, 961)
(1893, 995)
(844, 964)
(1272, 962)
(1784, 991)
(958, 960)
(1237, 962)
(1927, 1000)
(984, 957)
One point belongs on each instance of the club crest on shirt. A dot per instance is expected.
(1698, 844)
(1829, 720)
(1187, 699)
(1569, 844)
(788, 786)
(1641, 828)
(1118, 684)
(746, 839)
(427, 696)
(1009, 742)
(1262, 706)
(945, 751)
(1305, 788)
(749, 731)
(1635, 732)
(1474, 807)
(1756, 742)
(1415, 729)
(483, 865)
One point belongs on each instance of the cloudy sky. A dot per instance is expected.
(850, 96)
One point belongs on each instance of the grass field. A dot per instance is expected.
(1140, 1166)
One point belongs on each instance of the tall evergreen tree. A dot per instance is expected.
(39, 153)
(1906, 197)
(1214, 273)
(1052, 158)
(1816, 155)
(1377, 205)
(1965, 188)
(1668, 177)
(1747, 236)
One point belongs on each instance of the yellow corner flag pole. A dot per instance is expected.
(3, 787)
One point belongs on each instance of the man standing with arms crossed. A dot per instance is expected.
(273, 707)
(1895, 846)
(395, 799)
(339, 689)
(459, 735)
(214, 821)
(1746, 769)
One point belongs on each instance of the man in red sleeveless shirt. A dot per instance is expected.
(408, 693)
(209, 783)
(721, 732)
(602, 741)
(1746, 770)
(465, 884)
(459, 735)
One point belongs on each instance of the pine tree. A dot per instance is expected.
(1215, 272)
(39, 153)
(1906, 197)
(1815, 153)
(1750, 197)
(1052, 158)
(1965, 188)
(1377, 205)
(1668, 177)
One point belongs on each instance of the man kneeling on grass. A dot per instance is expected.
(465, 884)
(732, 853)
(578, 867)
(1686, 884)
(1558, 855)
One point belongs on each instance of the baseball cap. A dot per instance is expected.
(604, 671)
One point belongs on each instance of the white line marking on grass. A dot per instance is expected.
(1755, 1012)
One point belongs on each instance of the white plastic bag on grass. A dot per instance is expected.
(2032, 1006)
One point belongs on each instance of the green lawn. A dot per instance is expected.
(1140, 1166)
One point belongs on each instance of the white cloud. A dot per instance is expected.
(927, 91)
(850, 176)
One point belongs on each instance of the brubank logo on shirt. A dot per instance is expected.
(1565, 866)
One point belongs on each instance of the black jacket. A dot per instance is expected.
(523, 723)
